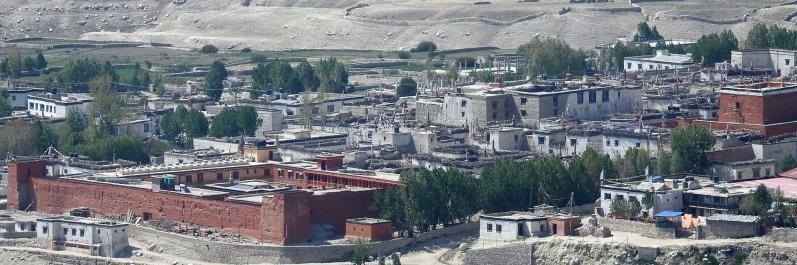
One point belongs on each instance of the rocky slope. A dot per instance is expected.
(375, 24)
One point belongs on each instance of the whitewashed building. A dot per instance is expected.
(89, 236)
(663, 60)
(780, 61)
(510, 226)
(667, 193)
(58, 106)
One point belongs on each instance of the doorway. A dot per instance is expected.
(554, 229)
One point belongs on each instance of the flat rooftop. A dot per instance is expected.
(249, 186)
(517, 216)
(787, 185)
(82, 220)
(367, 221)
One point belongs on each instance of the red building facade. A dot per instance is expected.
(767, 108)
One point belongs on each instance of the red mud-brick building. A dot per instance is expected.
(281, 217)
(766, 108)
(369, 228)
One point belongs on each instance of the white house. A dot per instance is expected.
(512, 225)
(89, 236)
(780, 61)
(667, 193)
(663, 60)
(58, 106)
(18, 96)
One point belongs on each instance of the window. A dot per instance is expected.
(498, 228)
(593, 97)
(31, 106)
(74, 231)
(605, 95)
(464, 103)
(787, 61)
(33, 227)
(738, 175)
(15, 97)
(495, 115)
(516, 137)
(756, 172)
(638, 145)
(767, 172)
(315, 110)
(66, 231)
(580, 98)
(607, 196)
(489, 227)
(540, 140)
(738, 105)
(573, 142)
(608, 143)
(628, 65)
(620, 197)
(219, 176)
(639, 66)
(523, 113)
(330, 108)
(44, 230)
(616, 143)
(82, 233)
(462, 114)
(523, 101)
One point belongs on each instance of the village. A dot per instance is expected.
(644, 150)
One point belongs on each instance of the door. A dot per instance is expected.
(554, 229)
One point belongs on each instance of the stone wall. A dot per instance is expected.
(725, 229)
(219, 252)
(782, 234)
(643, 229)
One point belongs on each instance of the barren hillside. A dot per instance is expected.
(375, 24)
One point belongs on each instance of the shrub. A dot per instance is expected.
(209, 48)
(425, 46)
(403, 54)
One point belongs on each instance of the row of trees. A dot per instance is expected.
(714, 48)
(774, 36)
(645, 33)
(13, 64)
(432, 197)
(78, 73)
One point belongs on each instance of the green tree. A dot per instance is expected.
(260, 81)
(332, 75)
(642, 162)
(757, 203)
(44, 135)
(551, 57)
(381, 260)
(5, 106)
(41, 62)
(307, 76)
(714, 48)
(645, 33)
(15, 65)
(619, 208)
(406, 87)
(787, 163)
(235, 121)
(29, 64)
(106, 109)
(648, 200)
(403, 55)
(690, 144)
(395, 259)
(757, 37)
(677, 164)
(209, 48)
(425, 46)
(70, 133)
(214, 81)
(17, 138)
(181, 124)
(663, 163)
(361, 249)
(634, 209)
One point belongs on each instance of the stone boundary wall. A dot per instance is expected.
(782, 234)
(220, 252)
(643, 229)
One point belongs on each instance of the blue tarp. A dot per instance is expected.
(669, 214)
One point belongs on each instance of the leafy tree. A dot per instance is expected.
(5, 67)
(403, 55)
(395, 259)
(690, 144)
(361, 249)
(757, 37)
(106, 109)
(44, 136)
(184, 123)
(70, 133)
(5, 106)
(619, 208)
(214, 81)
(634, 209)
(108, 149)
(714, 48)
(482, 76)
(332, 75)
(29, 64)
(645, 33)
(15, 65)
(307, 76)
(390, 204)
(677, 164)
(41, 62)
(209, 48)
(235, 121)
(648, 200)
(16, 137)
(787, 163)
(757, 203)
(425, 46)
(551, 57)
(406, 87)
(663, 163)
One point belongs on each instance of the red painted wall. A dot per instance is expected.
(336, 207)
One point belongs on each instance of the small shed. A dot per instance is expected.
(733, 226)
(369, 228)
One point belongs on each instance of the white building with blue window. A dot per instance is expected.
(58, 106)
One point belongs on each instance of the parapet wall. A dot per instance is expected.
(643, 229)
